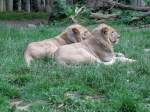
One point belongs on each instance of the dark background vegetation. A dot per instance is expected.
(53, 10)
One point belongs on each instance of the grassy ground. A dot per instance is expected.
(48, 87)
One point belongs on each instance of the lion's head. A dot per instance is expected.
(106, 33)
(77, 33)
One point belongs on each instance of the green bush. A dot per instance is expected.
(59, 9)
(128, 106)
(63, 10)
(147, 2)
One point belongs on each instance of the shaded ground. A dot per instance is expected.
(24, 23)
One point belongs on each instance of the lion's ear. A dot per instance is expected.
(75, 31)
(104, 30)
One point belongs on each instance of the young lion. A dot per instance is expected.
(72, 34)
(96, 49)
(99, 49)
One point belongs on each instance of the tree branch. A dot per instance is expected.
(104, 16)
(129, 7)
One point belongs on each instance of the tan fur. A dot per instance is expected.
(96, 49)
(72, 34)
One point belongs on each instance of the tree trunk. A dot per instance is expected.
(27, 6)
(39, 5)
(138, 3)
(19, 5)
(4, 5)
(49, 5)
(1, 5)
(43, 5)
(10, 5)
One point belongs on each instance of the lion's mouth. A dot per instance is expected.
(114, 41)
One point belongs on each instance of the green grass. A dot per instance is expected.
(117, 88)
(23, 15)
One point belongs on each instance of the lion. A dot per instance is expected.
(98, 49)
(46, 48)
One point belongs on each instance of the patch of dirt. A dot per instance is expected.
(17, 104)
(24, 23)
(76, 95)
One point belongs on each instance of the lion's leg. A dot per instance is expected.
(119, 54)
(110, 62)
(124, 59)
(106, 63)
(121, 57)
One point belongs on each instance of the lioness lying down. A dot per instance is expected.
(72, 34)
(96, 49)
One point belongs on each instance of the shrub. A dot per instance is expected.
(128, 106)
